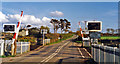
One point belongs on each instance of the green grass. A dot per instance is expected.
(58, 41)
(3, 56)
(110, 37)
(79, 41)
(7, 56)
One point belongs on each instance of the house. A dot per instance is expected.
(23, 32)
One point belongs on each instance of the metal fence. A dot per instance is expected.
(105, 54)
(1, 47)
(23, 47)
(5, 47)
(46, 41)
(86, 43)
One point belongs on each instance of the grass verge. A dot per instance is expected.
(7, 56)
(110, 37)
(60, 40)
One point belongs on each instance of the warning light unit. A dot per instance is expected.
(94, 25)
(11, 28)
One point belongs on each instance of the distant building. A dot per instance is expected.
(23, 32)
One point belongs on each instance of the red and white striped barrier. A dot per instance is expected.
(80, 29)
(18, 27)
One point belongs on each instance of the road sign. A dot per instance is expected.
(95, 35)
(44, 31)
(94, 25)
(9, 28)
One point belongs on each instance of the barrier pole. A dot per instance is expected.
(13, 50)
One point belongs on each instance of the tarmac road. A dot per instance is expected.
(66, 52)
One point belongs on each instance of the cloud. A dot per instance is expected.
(56, 14)
(26, 19)
(3, 17)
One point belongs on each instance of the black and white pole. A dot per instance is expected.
(43, 38)
(44, 31)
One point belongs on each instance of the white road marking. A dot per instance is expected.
(55, 53)
(81, 53)
(88, 52)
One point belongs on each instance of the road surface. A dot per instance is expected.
(66, 52)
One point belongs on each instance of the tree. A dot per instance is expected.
(47, 28)
(70, 32)
(108, 30)
(67, 25)
(34, 31)
(112, 30)
(64, 25)
(56, 24)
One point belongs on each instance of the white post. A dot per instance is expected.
(94, 53)
(21, 47)
(114, 56)
(104, 54)
(2, 47)
(119, 46)
(99, 54)
(43, 39)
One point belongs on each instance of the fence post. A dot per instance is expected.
(104, 54)
(12, 49)
(26, 46)
(117, 56)
(94, 53)
(21, 47)
(114, 56)
(2, 47)
(29, 47)
(99, 55)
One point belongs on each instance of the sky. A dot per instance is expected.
(60, 0)
(40, 13)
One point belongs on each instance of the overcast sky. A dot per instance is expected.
(40, 13)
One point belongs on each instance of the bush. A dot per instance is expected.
(64, 36)
(32, 40)
(54, 37)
